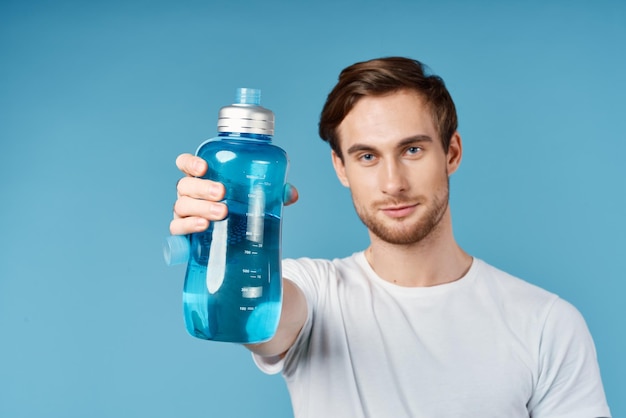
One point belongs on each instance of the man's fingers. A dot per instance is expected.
(184, 226)
(200, 188)
(290, 195)
(186, 206)
(193, 215)
(191, 165)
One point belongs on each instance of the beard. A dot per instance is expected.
(396, 232)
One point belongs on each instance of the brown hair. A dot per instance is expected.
(382, 76)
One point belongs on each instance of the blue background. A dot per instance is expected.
(98, 98)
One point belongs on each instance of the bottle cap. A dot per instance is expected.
(176, 250)
(246, 115)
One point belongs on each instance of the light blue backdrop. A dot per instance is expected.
(98, 98)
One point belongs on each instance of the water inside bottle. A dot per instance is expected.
(232, 289)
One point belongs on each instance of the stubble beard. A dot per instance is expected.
(408, 234)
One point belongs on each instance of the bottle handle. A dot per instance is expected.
(176, 249)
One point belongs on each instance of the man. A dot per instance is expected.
(412, 326)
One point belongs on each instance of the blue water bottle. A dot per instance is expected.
(233, 288)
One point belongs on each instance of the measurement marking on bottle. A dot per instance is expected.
(255, 177)
(252, 273)
(250, 252)
(251, 292)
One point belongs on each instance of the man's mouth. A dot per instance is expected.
(399, 211)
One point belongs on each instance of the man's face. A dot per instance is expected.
(395, 166)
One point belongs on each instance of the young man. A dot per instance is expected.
(412, 326)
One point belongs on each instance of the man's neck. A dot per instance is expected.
(435, 260)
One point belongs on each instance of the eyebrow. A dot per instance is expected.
(403, 143)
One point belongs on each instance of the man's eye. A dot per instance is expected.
(367, 157)
(413, 150)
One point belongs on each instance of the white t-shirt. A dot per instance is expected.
(486, 345)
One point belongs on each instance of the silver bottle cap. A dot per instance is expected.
(246, 115)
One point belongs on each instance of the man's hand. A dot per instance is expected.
(198, 201)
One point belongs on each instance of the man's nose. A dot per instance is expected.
(393, 178)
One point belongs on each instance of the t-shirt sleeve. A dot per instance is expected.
(569, 383)
(304, 273)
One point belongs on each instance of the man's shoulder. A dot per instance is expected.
(513, 289)
(350, 261)
(320, 269)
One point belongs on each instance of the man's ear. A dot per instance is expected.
(455, 153)
(340, 169)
